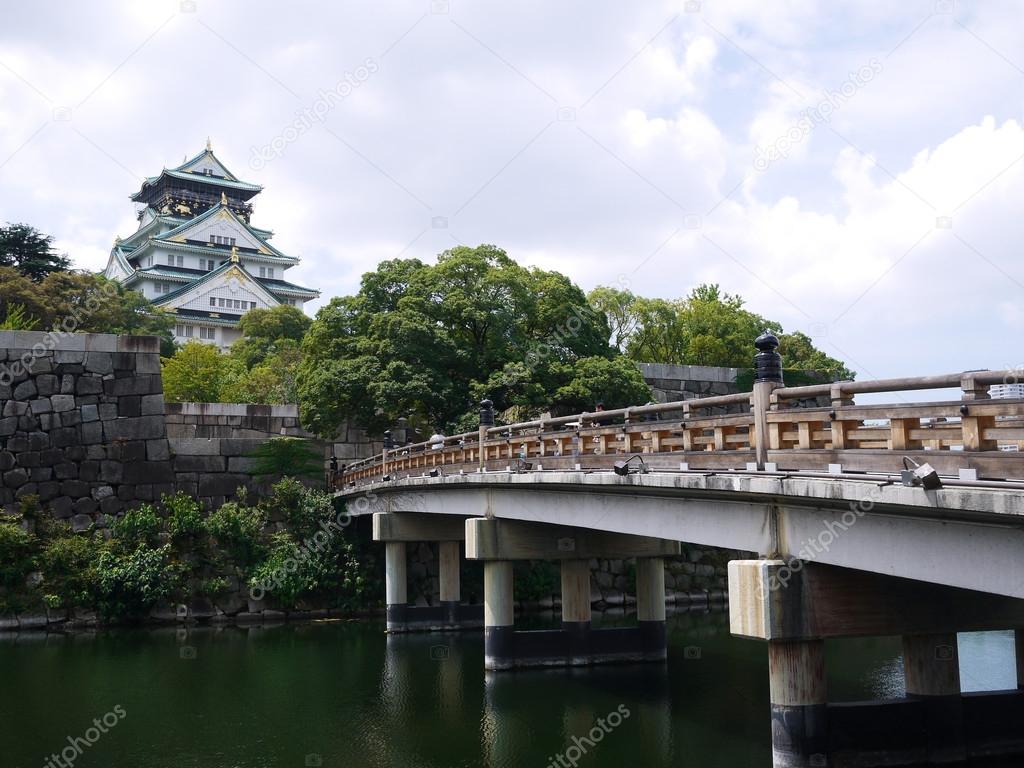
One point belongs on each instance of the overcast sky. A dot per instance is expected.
(853, 173)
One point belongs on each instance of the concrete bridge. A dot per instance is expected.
(853, 539)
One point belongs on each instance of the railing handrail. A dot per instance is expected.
(901, 384)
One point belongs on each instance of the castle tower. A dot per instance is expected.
(196, 255)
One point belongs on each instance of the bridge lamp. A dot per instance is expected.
(622, 468)
(436, 472)
(386, 479)
(923, 475)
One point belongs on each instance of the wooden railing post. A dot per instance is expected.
(486, 420)
(767, 377)
(973, 427)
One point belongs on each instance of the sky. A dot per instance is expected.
(850, 170)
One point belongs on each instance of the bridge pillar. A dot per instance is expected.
(395, 585)
(650, 606)
(397, 529)
(499, 542)
(1019, 644)
(499, 615)
(576, 609)
(796, 675)
(931, 669)
(448, 575)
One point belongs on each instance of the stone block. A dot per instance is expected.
(49, 489)
(50, 456)
(65, 436)
(130, 406)
(101, 492)
(46, 385)
(7, 461)
(67, 470)
(60, 507)
(89, 470)
(40, 474)
(85, 506)
(18, 444)
(72, 356)
(8, 426)
(147, 363)
(89, 385)
(157, 450)
(15, 478)
(48, 421)
(15, 408)
(111, 471)
(81, 522)
(136, 385)
(141, 428)
(74, 488)
(99, 362)
(186, 463)
(75, 453)
(90, 413)
(144, 492)
(70, 418)
(221, 484)
(107, 411)
(42, 405)
(28, 423)
(138, 344)
(124, 361)
(67, 385)
(92, 433)
(111, 505)
(196, 447)
(26, 390)
(28, 489)
(152, 405)
(148, 472)
(61, 403)
(241, 464)
(28, 459)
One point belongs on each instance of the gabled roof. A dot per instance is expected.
(178, 234)
(284, 285)
(225, 270)
(206, 159)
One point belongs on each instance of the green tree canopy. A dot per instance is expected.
(82, 302)
(424, 340)
(194, 374)
(707, 327)
(29, 251)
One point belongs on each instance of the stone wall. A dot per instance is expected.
(82, 424)
(684, 382)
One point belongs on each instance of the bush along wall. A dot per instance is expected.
(290, 554)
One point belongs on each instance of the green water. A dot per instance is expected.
(344, 694)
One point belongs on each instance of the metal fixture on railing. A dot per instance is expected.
(622, 467)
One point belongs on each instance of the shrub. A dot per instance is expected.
(238, 530)
(213, 586)
(67, 562)
(129, 584)
(184, 516)
(136, 527)
(303, 509)
(17, 556)
(534, 581)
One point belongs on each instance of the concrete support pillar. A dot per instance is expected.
(650, 605)
(395, 585)
(796, 672)
(931, 669)
(448, 572)
(576, 609)
(499, 615)
(1019, 634)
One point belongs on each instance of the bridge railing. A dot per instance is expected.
(721, 433)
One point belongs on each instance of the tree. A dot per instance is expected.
(82, 302)
(15, 319)
(707, 327)
(194, 374)
(264, 329)
(418, 340)
(273, 380)
(287, 456)
(30, 251)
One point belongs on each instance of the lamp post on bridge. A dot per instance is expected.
(486, 421)
(767, 377)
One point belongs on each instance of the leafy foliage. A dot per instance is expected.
(418, 340)
(128, 584)
(194, 374)
(17, 319)
(184, 516)
(708, 327)
(29, 251)
(238, 529)
(136, 527)
(293, 456)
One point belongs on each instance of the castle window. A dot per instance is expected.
(181, 260)
(213, 302)
(170, 259)
(208, 333)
